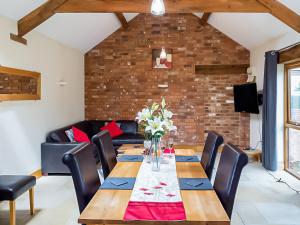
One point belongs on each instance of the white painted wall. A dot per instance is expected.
(24, 124)
(257, 62)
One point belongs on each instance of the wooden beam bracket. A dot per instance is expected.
(19, 39)
(122, 19)
(205, 18)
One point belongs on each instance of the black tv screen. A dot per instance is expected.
(246, 98)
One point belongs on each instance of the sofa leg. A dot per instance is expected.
(12, 212)
(31, 199)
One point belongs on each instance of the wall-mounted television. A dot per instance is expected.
(246, 98)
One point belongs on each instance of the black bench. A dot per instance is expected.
(11, 187)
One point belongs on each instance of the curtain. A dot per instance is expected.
(269, 148)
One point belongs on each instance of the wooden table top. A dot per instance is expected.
(202, 207)
(136, 149)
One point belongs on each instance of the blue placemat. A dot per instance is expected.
(118, 183)
(130, 158)
(195, 184)
(192, 158)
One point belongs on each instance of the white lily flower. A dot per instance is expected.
(144, 115)
(169, 125)
(154, 126)
(167, 114)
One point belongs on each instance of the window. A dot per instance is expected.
(292, 119)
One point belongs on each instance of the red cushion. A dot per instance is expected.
(80, 136)
(113, 129)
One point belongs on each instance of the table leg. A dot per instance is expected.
(31, 199)
(12, 212)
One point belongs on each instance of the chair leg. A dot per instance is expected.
(12, 212)
(31, 199)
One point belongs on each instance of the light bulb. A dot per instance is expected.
(163, 54)
(158, 7)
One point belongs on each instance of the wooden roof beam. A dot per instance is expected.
(283, 13)
(122, 19)
(172, 6)
(35, 18)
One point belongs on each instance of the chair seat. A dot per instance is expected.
(12, 186)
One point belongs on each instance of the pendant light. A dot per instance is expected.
(158, 7)
(163, 54)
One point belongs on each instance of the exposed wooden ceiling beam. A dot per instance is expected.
(48, 9)
(283, 13)
(172, 6)
(290, 55)
(38, 16)
(205, 18)
(122, 19)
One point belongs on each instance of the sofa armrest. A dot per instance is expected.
(51, 157)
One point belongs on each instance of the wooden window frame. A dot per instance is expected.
(23, 73)
(288, 124)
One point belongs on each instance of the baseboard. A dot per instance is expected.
(37, 174)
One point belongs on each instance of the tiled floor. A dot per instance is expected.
(260, 201)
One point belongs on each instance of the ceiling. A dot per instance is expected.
(84, 31)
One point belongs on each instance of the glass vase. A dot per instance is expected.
(156, 154)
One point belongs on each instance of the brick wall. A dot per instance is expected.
(119, 78)
(12, 84)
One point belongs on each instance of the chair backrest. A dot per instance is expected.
(106, 151)
(231, 164)
(82, 165)
(208, 158)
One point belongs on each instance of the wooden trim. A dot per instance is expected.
(23, 73)
(287, 123)
(122, 19)
(290, 55)
(16, 38)
(19, 72)
(38, 174)
(222, 69)
(283, 13)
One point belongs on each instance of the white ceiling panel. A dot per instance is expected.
(80, 30)
(16, 9)
(249, 29)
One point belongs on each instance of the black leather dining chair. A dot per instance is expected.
(107, 153)
(208, 158)
(231, 164)
(82, 165)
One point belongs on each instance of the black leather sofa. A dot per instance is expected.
(57, 143)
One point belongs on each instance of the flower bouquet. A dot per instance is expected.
(156, 121)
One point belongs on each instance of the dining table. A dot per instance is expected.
(108, 206)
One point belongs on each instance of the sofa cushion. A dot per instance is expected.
(113, 129)
(80, 136)
(128, 139)
(59, 135)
